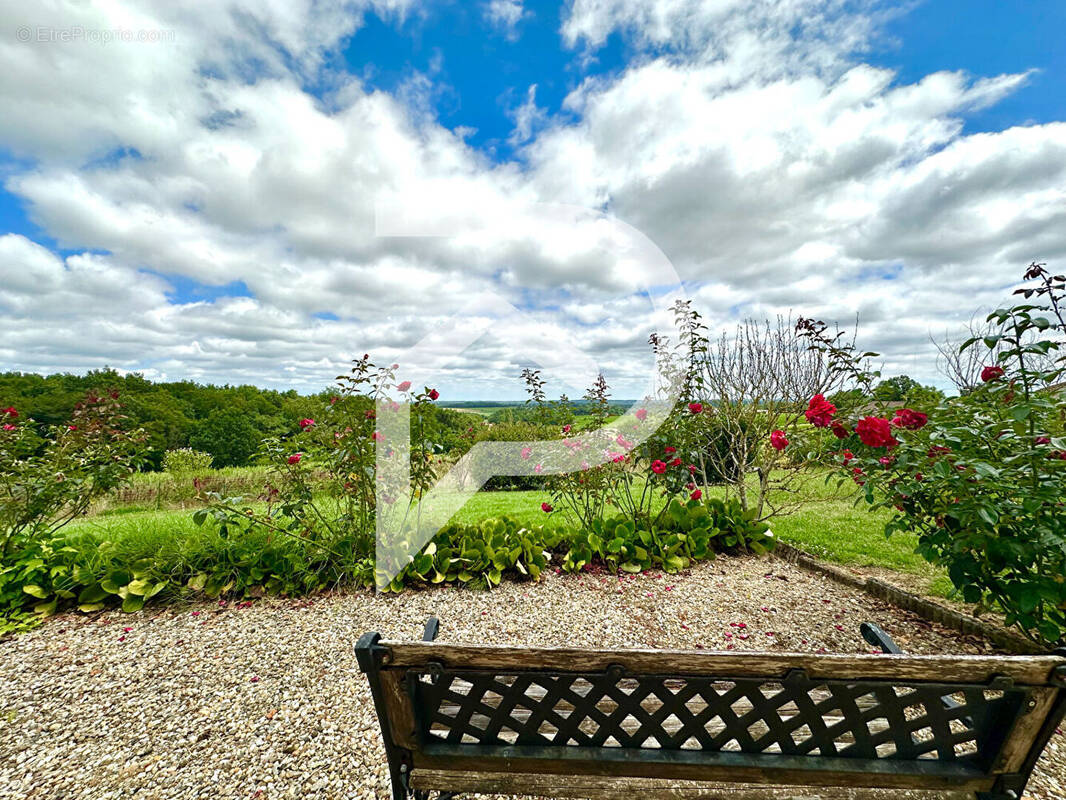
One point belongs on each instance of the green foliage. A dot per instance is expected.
(45, 486)
(480, 555)
(687, 533)
(228, 436)
(894, 389)
(172, 414)
(982, 483)
(186, 461)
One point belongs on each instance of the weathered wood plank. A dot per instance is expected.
(1028, 670)
(612, 788)
(1023, 734)
(399, 709)
(704, 766)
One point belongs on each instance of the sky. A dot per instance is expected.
(257, 192)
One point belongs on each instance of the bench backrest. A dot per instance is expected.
(976, 723)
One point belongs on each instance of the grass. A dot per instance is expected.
(827, 524)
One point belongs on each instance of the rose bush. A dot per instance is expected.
(47, 479)
(981, 478)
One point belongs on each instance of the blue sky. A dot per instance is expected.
(215, 192)
(480, 77)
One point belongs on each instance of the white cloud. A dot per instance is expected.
(505, 16)
(775, 168)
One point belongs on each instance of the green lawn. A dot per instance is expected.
(827, 525)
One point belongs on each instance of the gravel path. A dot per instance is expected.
(266, 701)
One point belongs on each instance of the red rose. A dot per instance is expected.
(403, 387)
(10, 412)
(72, 427)
(669, 450)
(820, 412)
(875, 432)
(546, 508)
(641, 414)
(676, 462)
(991, 373)
(1043, 440)
(433, 394)
(691, 469)
(695, 408)
(778, 440)
(333, 400)
(839, 430)
(848, 456)
(696, 495)
(911, 420)
(566, 429)
(9, 427)
(295, 459)
(658, 467)
(378, 436)
(306, 423)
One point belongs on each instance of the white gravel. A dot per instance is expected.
(266, 701)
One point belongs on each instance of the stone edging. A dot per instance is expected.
(927, 609)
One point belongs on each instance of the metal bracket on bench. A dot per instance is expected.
(796, 676)
(430, 632)
(878, 638)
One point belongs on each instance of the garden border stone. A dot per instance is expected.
(923, 607)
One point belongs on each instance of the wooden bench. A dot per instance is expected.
(571, 722)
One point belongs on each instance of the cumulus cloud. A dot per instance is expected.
(505, 15)
(775, 168)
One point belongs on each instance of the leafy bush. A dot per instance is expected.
(45, 487)
(689, 532)
(981, 478)
(479, 555)
(186, 461)
(228, 435)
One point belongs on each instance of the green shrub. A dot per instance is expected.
(480, 555)
(45, 486)
(186, 461)
(981, 478)
(687, 533)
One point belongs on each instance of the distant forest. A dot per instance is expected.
(229, 422)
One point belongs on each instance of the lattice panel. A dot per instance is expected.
(863, 719)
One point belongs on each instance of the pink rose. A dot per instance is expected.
(526, 452)
(641, 414)
(403, 387)
(306, 423)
